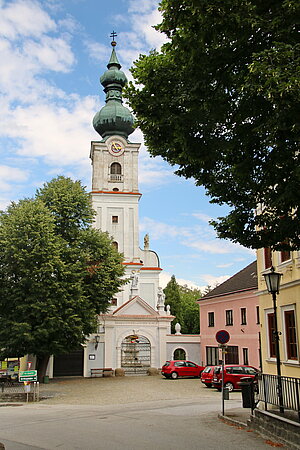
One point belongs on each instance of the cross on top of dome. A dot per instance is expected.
(113, 35)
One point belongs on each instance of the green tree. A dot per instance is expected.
(173, 299)
(53, 280)
(190, 308)
(221, 101)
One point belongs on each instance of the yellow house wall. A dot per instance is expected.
(289, 294)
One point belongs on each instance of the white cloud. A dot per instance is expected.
(224, 266)
(213, 246)
(11, 175)
(96, 50)
(160, 229)
(143, 16)
(203, 217)
(213, 281)
(50, 54)
(165, 277)
(24, 18)
(58, 134)
(196, 237)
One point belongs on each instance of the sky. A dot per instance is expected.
(52, 55)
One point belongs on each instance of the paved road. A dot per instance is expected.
(188, 420)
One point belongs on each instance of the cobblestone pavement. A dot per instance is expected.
(124, 390)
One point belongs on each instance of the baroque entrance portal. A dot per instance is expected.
(135, 354)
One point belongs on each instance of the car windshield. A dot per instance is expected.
(166, 364)
(207, 369)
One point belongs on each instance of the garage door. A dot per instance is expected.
(69, 364)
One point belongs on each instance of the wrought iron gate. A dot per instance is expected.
(135, 355)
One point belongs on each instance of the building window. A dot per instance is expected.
(290, 334)
(114, 302)
(271, 335)
(245, 357)
(243, 316)
(115, 169)
(211, 319)
(257, 315)
(285, 255)
(179, 354)
(232, 354)
(229, 317)
(212, 356)
(115, 219)
(116, 172)
(268, 257)
(115, 245)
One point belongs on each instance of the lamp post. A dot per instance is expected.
(272, 280)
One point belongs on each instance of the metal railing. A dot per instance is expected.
(115, 177)
(16, 391)
(268, 392)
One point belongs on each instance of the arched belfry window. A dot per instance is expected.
(115, 172)
(115, 245)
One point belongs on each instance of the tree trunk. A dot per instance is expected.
(42, 363)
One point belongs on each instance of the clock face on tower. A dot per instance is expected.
(116, 148)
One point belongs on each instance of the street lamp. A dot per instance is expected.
(272, 280)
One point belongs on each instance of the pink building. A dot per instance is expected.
(232, 306)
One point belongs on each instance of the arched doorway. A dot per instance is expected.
(135, 354)
(179, 354)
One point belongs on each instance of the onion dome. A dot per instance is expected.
(113, 118)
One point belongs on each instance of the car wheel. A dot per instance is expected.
(229, 386)
(174, 375)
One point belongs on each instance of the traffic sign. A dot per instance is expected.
(28, 375)
(222, 337)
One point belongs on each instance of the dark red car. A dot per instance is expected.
(207, 376)
(175, 369)
(232, 375)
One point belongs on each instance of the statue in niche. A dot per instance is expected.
(146, 242)
(134, 280)
(161, 297)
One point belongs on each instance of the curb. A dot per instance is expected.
(233, 421)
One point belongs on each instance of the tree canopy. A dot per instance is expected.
(182, 301)
(221, 101)
(56, 272)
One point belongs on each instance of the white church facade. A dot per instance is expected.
(135, 334)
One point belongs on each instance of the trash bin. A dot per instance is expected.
(246, 385)
(46, 379)
(226, 393)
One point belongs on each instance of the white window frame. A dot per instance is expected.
(286, 261)
(268, 311)
(283, 309)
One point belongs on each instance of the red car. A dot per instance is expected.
(207, 376)
(232, 375)
(175, 369)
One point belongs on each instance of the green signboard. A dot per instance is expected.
(28, 375)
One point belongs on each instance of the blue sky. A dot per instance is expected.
(52, 55)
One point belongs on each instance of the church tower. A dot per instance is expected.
(115, 192)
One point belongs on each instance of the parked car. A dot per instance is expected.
(175, 369)
(232, 375)
(207, 376)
